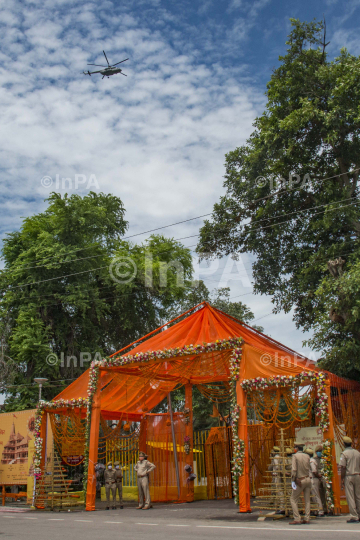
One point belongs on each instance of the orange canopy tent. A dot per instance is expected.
(183, 351)
(129, 389)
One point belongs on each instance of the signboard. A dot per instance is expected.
(309, 436)
(17, 446)
(16, 433)
(312, 436)
(72, 453)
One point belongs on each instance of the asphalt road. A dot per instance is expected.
(204, 521)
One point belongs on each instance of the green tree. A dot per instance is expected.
(71, 286)
(291, 192)
(336, 328)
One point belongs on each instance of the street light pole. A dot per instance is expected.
(40, 381)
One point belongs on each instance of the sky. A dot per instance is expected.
(196, 78)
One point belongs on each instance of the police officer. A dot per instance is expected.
(313, 501)
(118, 479)
(143, 468)
(273, 467)
(350, 479)
(317, 481)
(301, 483)
(110, 485)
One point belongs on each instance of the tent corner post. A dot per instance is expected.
(174, 445)
(93, 450)
(189, 431)
(244, 483)
(330, 434)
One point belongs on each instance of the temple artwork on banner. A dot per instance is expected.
(16, 433)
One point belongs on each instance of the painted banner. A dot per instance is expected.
(16, 432)
(312, 436)
(72, 453)
(309, 436)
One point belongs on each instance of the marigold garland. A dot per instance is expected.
(247, 385)
(53, 406)
(318, 378)
(94, 372)
(321, 410)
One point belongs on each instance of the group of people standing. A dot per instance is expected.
(113, 478)
(303, 465)
(308, 470)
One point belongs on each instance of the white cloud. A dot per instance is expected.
(156, 139)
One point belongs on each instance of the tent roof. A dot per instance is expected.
(206, 325)
(125, 388)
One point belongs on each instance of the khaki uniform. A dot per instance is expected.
(110, 485)
(119, 479)
(300, 471)
(143, 468)
(350, 459)
(278, 483)
(318, 486)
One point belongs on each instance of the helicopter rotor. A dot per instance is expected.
(117, 63)
(106, 58)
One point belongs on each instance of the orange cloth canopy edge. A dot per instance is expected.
(123, 392)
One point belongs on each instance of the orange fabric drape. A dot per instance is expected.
(244, 484)
(189, 458)
(267, 363)
(329, 434)
(93, 451)
(135, 388)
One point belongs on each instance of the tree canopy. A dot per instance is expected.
(291, 192)
(73, 289)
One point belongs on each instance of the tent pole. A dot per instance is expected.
(330, 434)
(244, 483)
(93, 450)
(189, 459)
(174, 444)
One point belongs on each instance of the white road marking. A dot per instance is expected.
(173, 525)
(9, 517)
(112, 521)
(84, 520)
(302, 529)
(146, 524)
(29, 518)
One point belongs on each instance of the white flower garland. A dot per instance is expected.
(238, 444)
(327, 472)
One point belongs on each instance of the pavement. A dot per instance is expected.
(203, 520)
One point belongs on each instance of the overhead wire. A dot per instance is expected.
(201, 216)
(220, 228)
(184, 238)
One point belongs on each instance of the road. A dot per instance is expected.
(205, 520)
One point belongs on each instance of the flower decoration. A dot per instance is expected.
(327, 472)
(238, 444)
(50, 406)
(279, 381)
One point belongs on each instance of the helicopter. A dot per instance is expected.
(109, 69)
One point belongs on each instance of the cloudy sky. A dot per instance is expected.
(197, 72)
